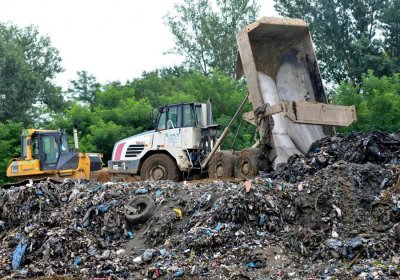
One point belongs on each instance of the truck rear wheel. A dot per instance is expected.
(222, 165)
(160, 167)
(247, 165)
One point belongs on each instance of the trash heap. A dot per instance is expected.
(332, 214)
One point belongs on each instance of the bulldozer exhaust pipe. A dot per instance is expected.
(76, 145)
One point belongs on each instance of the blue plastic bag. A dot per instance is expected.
(141, 191)
(19, 253)
(179, 273)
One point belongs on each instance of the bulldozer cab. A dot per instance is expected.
(47, 148)
(45, 153)
(42, 151)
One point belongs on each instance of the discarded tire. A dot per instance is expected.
(139, 209)
(247, 164)
(222, 165)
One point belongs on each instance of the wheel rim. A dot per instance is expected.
(246, 168)
(219, 171)
(158, 172)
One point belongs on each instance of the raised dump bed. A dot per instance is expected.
(277, 58)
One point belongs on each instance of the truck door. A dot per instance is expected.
(191, 128)
(168, 131)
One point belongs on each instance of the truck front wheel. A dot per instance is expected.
(159, 167)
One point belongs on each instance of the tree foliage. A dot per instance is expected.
(114, 114)
(9, 145)
(377, 102)
(205, 31)
(84, 88)
(28, 65)
(390, 20)
(345, 34)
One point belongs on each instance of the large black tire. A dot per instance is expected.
(222, 165)
(160, 167)
(247, 165)
(145, 204)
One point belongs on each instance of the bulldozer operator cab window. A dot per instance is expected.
(35, 147)
(64, 143)
(50, 150)
(23, 146)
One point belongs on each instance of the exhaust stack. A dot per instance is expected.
(76, 145)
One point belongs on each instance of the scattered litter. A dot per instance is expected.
(332, 214)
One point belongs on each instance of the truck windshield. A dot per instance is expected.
(171, 117)
(199, 117)
(161, 120)
(176, 116)
(189, 118)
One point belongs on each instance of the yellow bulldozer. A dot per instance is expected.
(45, 153)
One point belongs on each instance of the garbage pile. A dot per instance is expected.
(375, 147)
(332, 214)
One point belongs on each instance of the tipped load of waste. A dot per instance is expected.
(332, 214)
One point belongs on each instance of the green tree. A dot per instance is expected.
(28, 65)
(377, 102)
(10, 143)
(345, 35)
(114, 114)
(158, 85)
(390, 19)
(205, 32)
(84, 88)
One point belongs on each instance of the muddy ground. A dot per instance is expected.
(332, 214)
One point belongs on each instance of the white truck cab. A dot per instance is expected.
(183, 136)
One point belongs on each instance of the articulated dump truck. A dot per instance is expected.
(290, 110)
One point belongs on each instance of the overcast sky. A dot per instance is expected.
(112, 40)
